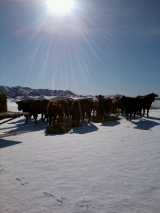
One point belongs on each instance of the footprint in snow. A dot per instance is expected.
(18, 179)
(83, 204)
(48, 195)
(2, 170)
(60, 200)
(23, 184)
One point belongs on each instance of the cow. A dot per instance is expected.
(112, 103)
(43, 109)
(33, 107)
(109, 102)
(70, 102)
(147, 101)
(39, 107)
(102, 107)
(80, 108)
(94, 106)
(54, 109)
(24, 106)
(64, 105)
(131, 105)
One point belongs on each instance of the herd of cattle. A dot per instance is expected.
(79, 108)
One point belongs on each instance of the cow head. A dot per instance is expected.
(20, 105)
(100, 97)
(153, 96)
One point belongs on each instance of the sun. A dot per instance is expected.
(59, 7)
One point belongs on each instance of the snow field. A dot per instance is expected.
(97, 168)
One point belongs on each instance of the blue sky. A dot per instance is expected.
(101, 47)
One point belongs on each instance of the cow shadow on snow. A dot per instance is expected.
(85, 128)
(6, 143)
(110, 123)
(145, 124)
(22, 120)
(153, 118)
(20, 127)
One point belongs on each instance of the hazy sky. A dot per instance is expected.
(101, 47)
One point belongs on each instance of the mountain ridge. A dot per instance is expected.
(16, 91)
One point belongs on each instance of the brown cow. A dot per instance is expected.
(94, 106)
(70, 103)
(54, 109)
(64, 104)
(147, 101)
(109, 102)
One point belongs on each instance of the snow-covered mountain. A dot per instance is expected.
(26, 91)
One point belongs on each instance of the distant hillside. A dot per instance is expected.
(13, 92)
(26, 91)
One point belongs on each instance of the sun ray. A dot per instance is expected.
(59, 7)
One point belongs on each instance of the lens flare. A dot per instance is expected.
(59, 6)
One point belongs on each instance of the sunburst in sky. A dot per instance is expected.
(59, 7)
(82, 46)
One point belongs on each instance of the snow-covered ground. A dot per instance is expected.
(111, 167)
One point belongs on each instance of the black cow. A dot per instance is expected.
(25, 107)
(147, 101)
(33, 107)
(80, 108)
(131, 105)
(102, 107)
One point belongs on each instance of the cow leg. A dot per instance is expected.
(140, 113)
(83, 117)
(122, 111)
(42, 116)
(88, 113)
(46, 117)
(54, 119)
(102, 114)
(134, 114)
(130, 116)
(26, 119)
(89, 117)
(108, 113)
(66, 114)
(143, 111)
(50, 120)
(147, 112)
(127, 115)
(79, 117)
(35, 118)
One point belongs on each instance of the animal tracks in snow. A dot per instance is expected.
(1, 169)
(48, 195)
(18, 179)
(60, 200)
(22, 183)
(83, 204)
